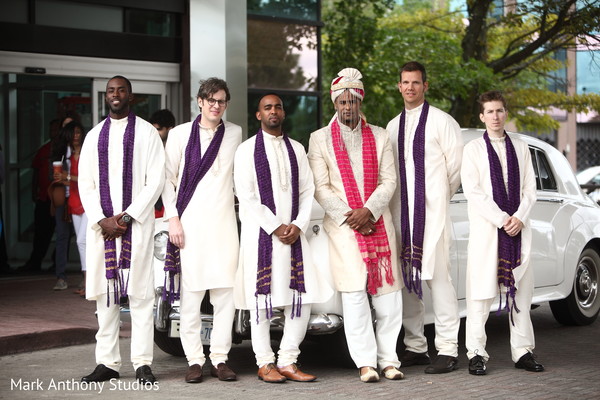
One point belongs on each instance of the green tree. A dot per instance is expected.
(349, 38)
(468, 51)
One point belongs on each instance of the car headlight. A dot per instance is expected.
(160, 245)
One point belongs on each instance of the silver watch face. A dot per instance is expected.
(126, 218)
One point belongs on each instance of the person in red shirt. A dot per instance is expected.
(74, 135)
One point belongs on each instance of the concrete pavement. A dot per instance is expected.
(570, 355)
(33, 317)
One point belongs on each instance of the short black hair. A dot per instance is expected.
(414, 66)
(492, 95)
(125, 79)
(265, 95)
(211, 86)
(163, 118)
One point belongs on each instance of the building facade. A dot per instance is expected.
(56, 57)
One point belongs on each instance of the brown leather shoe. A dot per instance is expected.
(194, 374)
(223, 372)
(268, 373)
(292, 373)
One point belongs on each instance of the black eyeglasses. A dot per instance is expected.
(212, 102)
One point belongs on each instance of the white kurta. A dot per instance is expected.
(254, 216)
(148, 181)
(443, 153)
(347, 266)
(485, 217)
(210, 255)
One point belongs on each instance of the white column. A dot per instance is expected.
(218, 47)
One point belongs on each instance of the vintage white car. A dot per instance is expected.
(565, 257)
(589, 180)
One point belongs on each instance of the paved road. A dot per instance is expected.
(570, 354)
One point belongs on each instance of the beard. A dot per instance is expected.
(273, 125)
(349, 120)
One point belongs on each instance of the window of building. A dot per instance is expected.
(300, 112)
(283, 57)
(14, 11)
(497, 9)
(588, 71)
(558, 81)
(153, 23)
(98, 17)
(293, 9)
(89, 16)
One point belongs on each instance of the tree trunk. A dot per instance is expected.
(466, 111)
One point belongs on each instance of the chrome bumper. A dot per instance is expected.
(318, 324)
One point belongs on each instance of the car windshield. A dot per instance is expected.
(587, 175)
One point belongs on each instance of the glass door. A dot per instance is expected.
(148, 98)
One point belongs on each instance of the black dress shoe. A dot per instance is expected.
(101, 373)
(442, 364)
(411, 358)
(528, 362)
(144, 374)
(477, 366)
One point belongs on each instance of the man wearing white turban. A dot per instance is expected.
(353, 167)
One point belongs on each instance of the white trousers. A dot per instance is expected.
(80, 227)
(294, 331)
(445, 311)
(191, 325)
(372, 347)
(521, 333)
(142, 332)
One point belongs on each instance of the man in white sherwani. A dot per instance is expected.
(275, 190)
(427, 146)
(121, 175)
(199, 205)
(499, 183)
(353, 165)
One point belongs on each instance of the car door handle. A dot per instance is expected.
(550, 200)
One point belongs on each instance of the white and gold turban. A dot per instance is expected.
(348, 78)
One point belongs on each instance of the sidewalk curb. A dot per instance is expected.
(29, 342)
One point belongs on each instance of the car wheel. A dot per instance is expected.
(582, 305)
(168, 344)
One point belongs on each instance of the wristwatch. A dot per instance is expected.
(126, 218)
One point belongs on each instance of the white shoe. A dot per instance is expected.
(369, 374)
(392, 373)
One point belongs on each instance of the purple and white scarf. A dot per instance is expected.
(411, 254)
(509, 247)
(265, 241)
(194, 170)
(114, 271)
